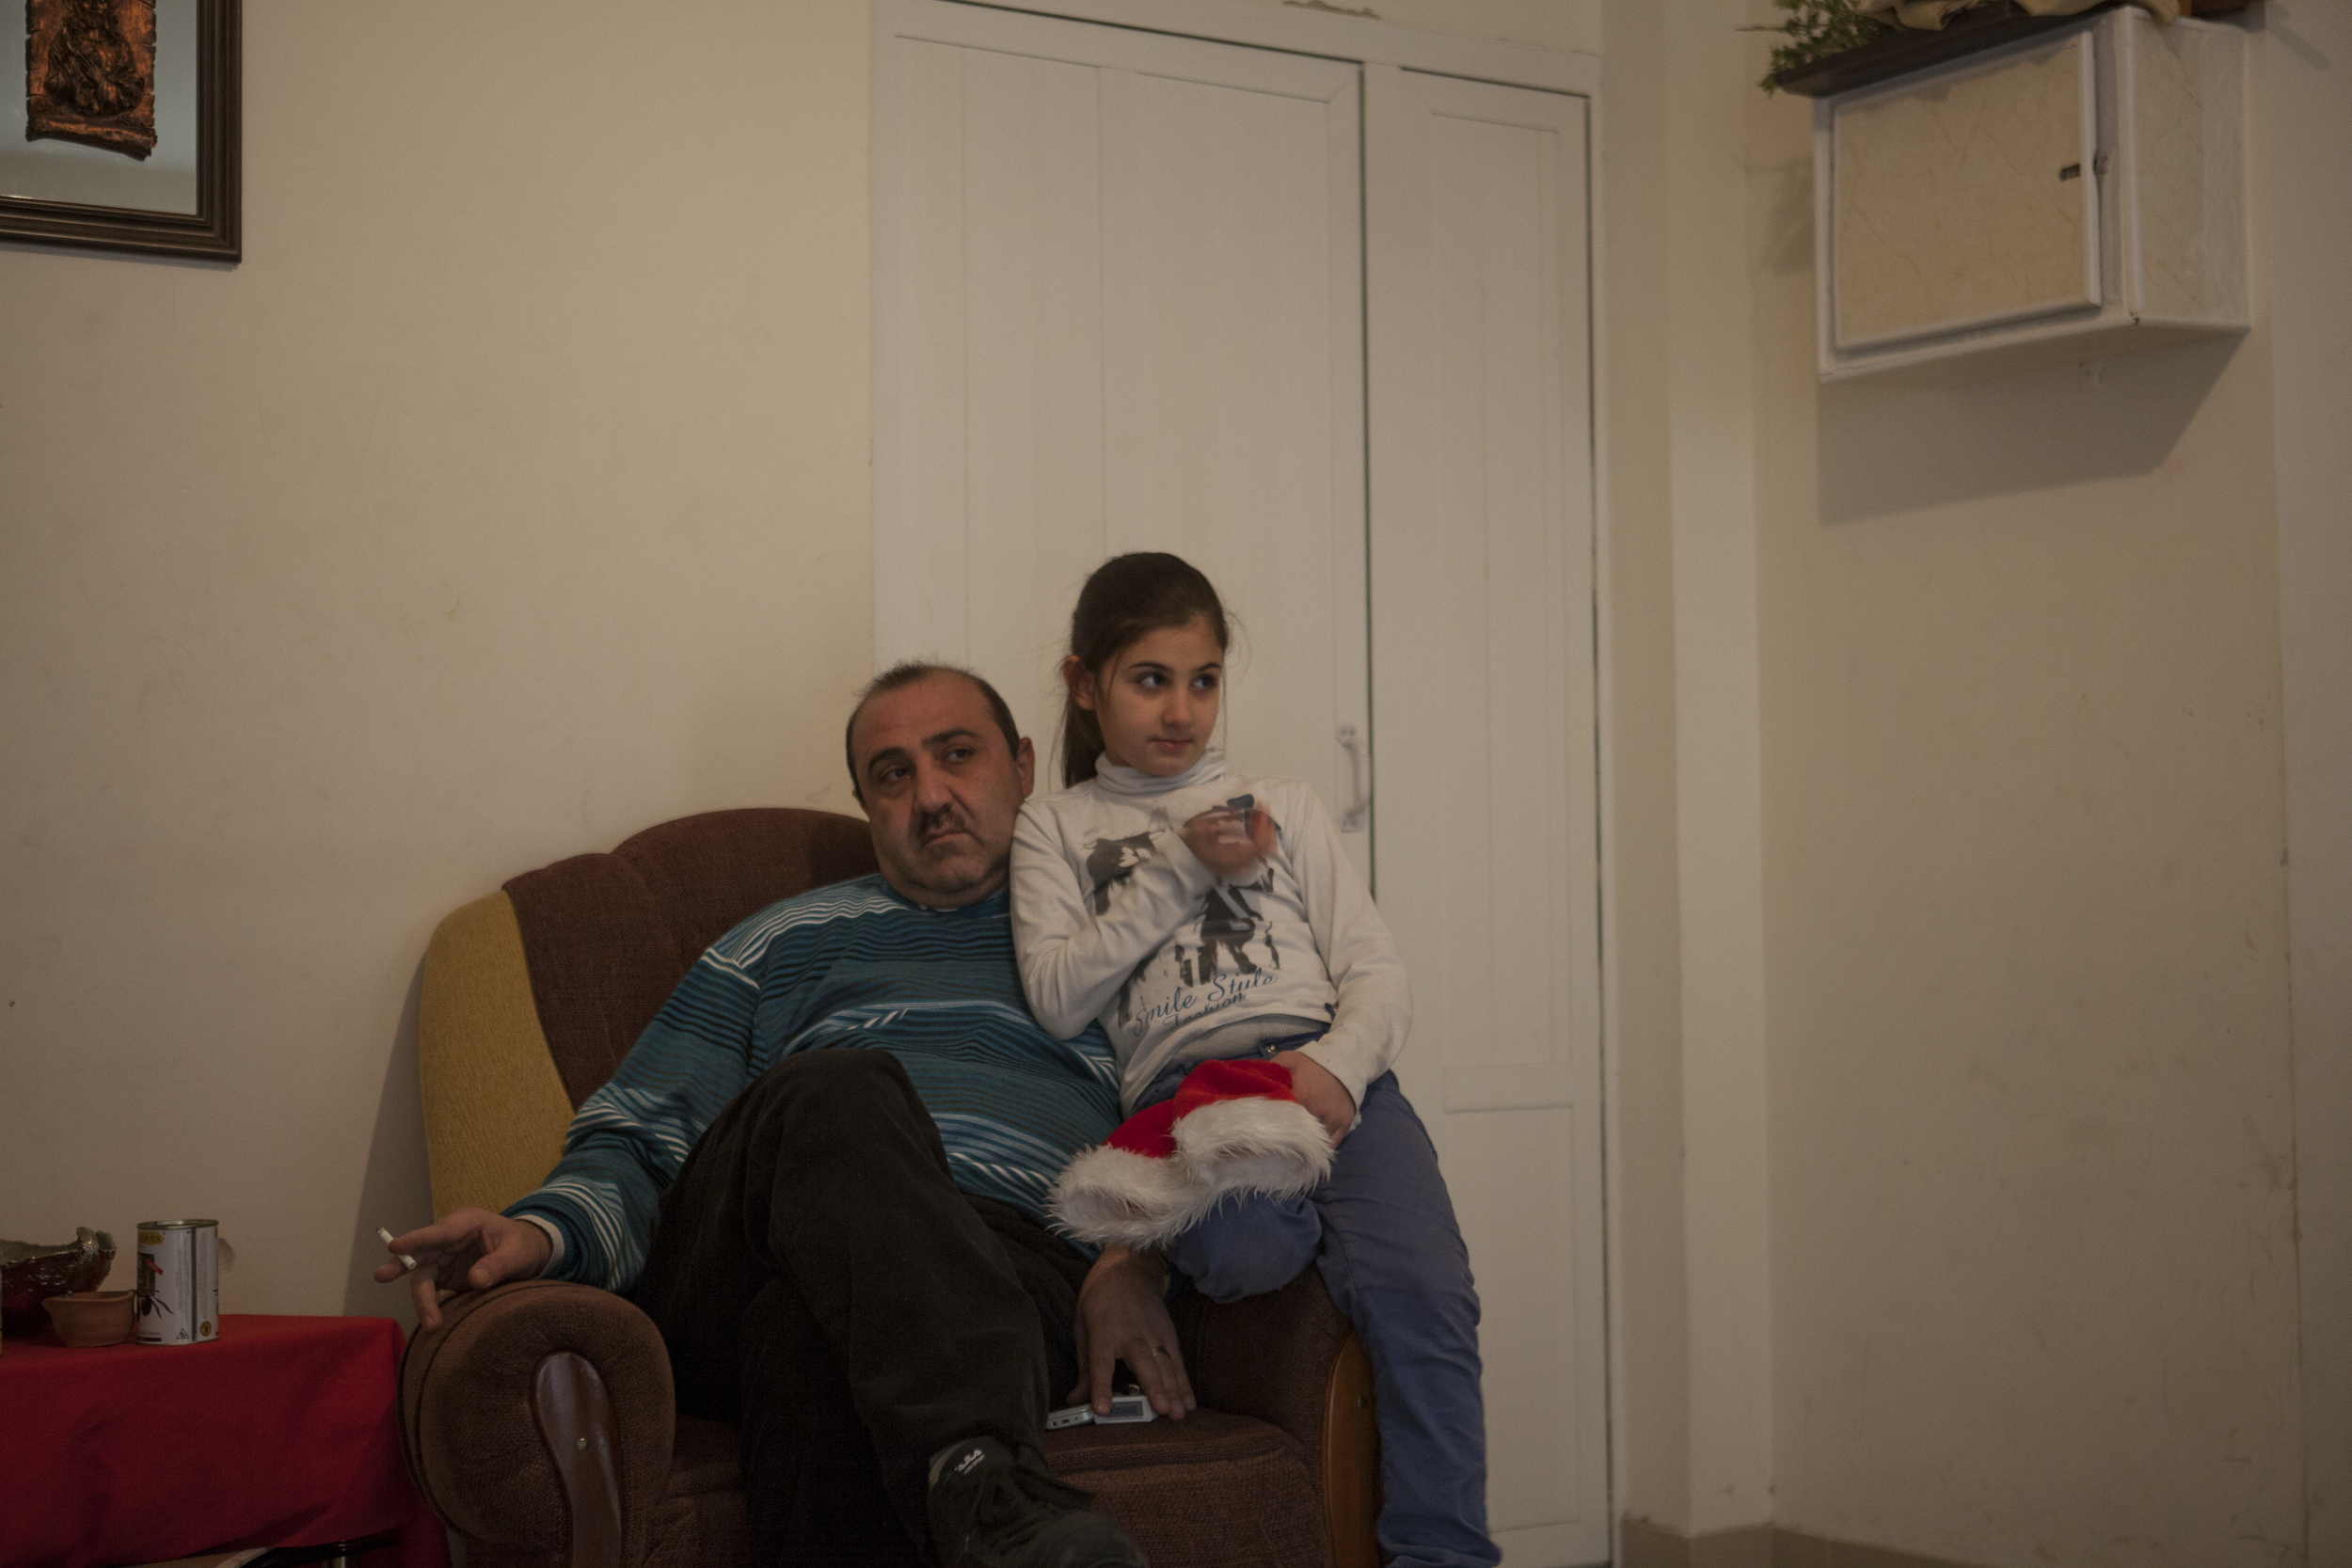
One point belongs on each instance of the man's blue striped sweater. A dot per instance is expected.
(850, 965)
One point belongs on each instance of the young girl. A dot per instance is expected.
(1204, 917)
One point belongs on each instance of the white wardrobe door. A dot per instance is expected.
(1483, 620)
(1120, 307)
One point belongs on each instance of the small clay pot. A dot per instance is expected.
(88, 1319)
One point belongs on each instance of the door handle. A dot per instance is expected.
(1352, 820)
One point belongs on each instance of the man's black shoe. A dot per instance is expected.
(989, 1509)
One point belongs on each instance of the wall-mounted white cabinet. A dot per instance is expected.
(2080, 195)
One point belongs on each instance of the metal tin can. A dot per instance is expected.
(179, 1281)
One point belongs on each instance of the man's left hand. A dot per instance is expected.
(1320, 1092)
(1124, 1317)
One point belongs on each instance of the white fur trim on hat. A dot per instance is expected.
(1254, 1145)
(1114, 1196)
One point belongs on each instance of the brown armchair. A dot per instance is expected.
(539, 1418)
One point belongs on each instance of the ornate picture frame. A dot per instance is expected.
(46, 187)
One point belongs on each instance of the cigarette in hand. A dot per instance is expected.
(407, 1264)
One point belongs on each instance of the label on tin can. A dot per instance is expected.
(179, 1281)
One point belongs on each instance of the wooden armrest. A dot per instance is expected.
(540, 1416)
(1290, 1357)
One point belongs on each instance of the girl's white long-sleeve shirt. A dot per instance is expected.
(1114, 918)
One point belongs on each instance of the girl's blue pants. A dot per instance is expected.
(1382, 1230)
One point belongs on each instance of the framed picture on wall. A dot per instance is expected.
(121, 129)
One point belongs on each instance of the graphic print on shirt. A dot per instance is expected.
(1227, 924)
(1114, 859)
(1199, 953)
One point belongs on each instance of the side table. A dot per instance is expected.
(284, 1432)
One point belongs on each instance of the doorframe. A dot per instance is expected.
(1361, 41)
(1300, 30)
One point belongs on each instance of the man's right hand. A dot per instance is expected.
(471, 1250)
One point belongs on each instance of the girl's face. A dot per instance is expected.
(1156, 700)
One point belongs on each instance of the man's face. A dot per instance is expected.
(941, 790)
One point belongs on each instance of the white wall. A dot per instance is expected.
(1713, 427)
(1649, 1262)
(1692, 1257)
(510, 496)
(2032, 1150)
(2031, 1158)
(2306, 62)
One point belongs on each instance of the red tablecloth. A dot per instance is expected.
(283, 1431)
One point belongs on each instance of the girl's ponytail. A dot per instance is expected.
(1127, 596)
(1081, 741)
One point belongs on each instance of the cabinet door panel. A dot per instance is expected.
(1968, 201)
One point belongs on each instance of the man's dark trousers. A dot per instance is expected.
(820, 1280)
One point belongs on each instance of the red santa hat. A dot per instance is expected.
(1233, 1127)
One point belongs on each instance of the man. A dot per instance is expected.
(822, 1172)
